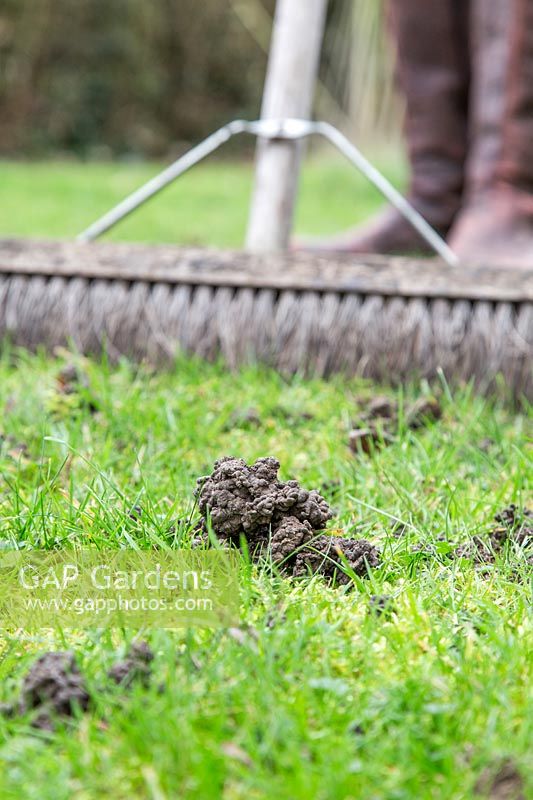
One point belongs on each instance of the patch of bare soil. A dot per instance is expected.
(335, 558)
(377, 425)
(135, 667)
(54, 687)
(381, 408)
(506, 783)
(367, 440)
(423, 412)
(279, 520)
(514, 528)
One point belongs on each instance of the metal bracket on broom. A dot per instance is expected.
(285, 129)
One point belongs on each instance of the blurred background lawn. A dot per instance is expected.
(207, 206)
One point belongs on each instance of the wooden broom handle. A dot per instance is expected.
(289, 89)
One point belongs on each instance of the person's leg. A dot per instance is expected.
(433, 73)
(496, 223)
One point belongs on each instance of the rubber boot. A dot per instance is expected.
(433, 74)
(496, 223)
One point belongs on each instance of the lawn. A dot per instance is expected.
(206, 206)
(314, 695)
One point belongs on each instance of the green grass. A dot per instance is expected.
(206, 206)
(318, 698)
(441, 690)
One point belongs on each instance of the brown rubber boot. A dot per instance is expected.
(433, 73)
(496, 224)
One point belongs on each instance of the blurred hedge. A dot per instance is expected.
(108, 77)
(115, 76)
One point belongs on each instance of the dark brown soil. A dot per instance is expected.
(378, 422)
(249, 499)
(423, 412)
(135, 667)
(135, 513)
(381, 408)
(366, 440)
(506, 783)
(381, 605)
(334, 557)
(279, 520)
(331, 487)
(515, 528)
(516, 519)
(54, 687)
(289, 536)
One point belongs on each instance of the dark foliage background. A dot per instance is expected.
(109, 77)
(122, 75)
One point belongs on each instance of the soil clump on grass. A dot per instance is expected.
(335, 558)
(279, 520)
(135, 667)
(52, 688)
(514, 528)
(377, 424)
(506, 783)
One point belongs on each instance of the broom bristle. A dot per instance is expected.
(151, 303)
(386, 339)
